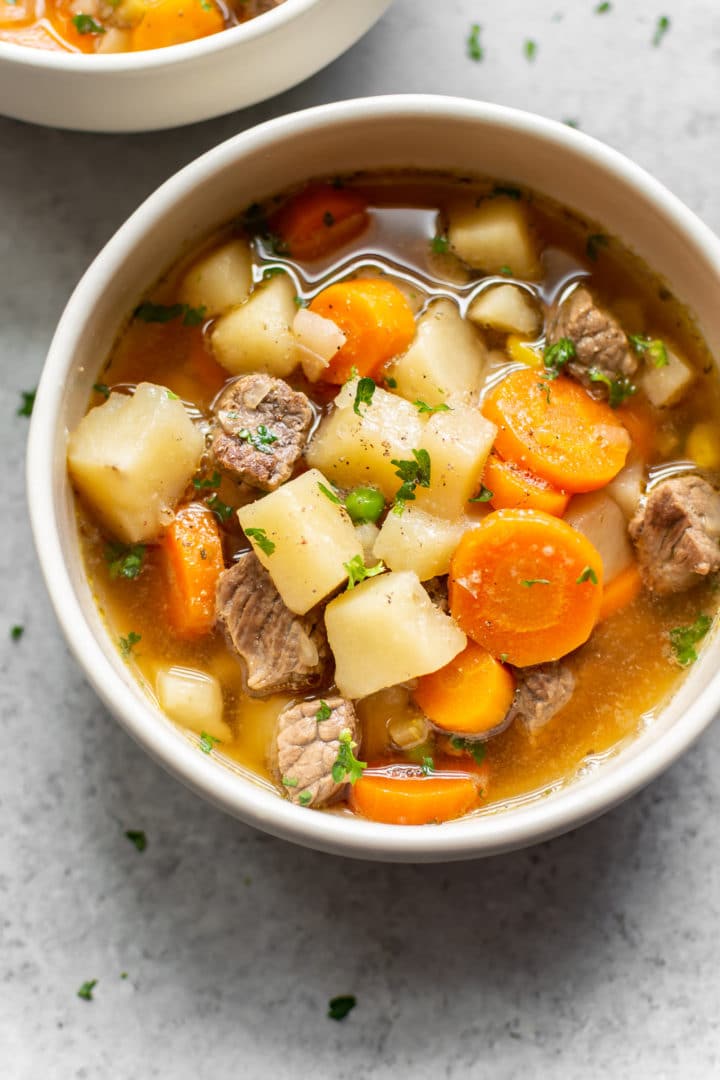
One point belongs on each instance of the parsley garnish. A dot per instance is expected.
(329, 494)
(477, 749)
(588, 574)
(603, 8)
(339, 1007)
(530, 50)
(222, 511)
(125, 560)
(323, 713)
(138, 838)
(85, 24)
(474, 48)
(363, 394)
(207, 742)
(529, 582)
(569, 122)
(439, 245)
(102, 388)
(413, 474)
(684, 638)
(423, 407)
(300, 301)
(347, 766)
(392, 383)
(290, 781)
(663, 25)
(618, 389)
(164, 313)
(86, 990)
(654, 347)
(428, 766)
(260, 440)
(544, 385)
(593, 245)
(28, 400)
(207, 482)
(304, 798)
(483, 495)
(272, 271)
(17, 632)
(556, 356)
(358, 571)
(261, 539)
(128, 643)
(506, 271)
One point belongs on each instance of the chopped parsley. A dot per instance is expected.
(571, 123)
(588, 574)
(473, 747)
(474, 49)
(544, 385)
(506, 271)
(261, 439)
(428, 766)
(661, 29)
(413, 474)
(392, 383)
(202, 482)
(556, 356)
(261, 539)
(290, 781)
(222, 511)
(305, 798)
(127, 644)
(138, 838)
(618, 389)
(323, 713)
(86, 990)
(347, 767)
(358, 571)
(28, 400)
(164, 313)
(483, 495)
(125, 560)
(653, 348)
(423, 407)
(529, 582)
(530, 48)
(594, 242)
(300, 301)
(363, 394)
(16, 633)
(272, 271)
(683, 639)
(329, 494)
(207, 742)
(85, 24)
(102, 388)
(603, 8)
(439, 245)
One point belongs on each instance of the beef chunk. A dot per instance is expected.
(677, 534)
(599, 340)
(542, 691)
(307, 748)
(262, 426)
(281, 651)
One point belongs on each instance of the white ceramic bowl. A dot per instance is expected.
(164, 88)
(426, 132)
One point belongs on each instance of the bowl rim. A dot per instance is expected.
(92, 63)
(566, 808)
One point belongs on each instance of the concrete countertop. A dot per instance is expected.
(594, 956)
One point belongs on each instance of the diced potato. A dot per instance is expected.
(220, 280)
(507, 308)
(367, 534)
(313, 538)
(194, 699)
(257, 335)
(458, 443)
(418, 541)
(492, 236)
(132, 459)
(666, 385)
(627, 487)
(599, 517)
(703, 445)
(387, 630)
(446, 361)
(357, 449)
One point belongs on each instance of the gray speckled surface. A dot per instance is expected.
(596, 955)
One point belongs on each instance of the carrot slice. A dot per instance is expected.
(621, 591)
(638, 419)
(319, 220)
(513, 486)
(376, 319)
(555, 429)
(172, 22)
(194, 560)
(401, 794)
(469, 696)
(526, 586)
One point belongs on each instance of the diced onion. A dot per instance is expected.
(318, 340)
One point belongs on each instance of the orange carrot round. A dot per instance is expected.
(621, 591)
(469, 696)
(402, 794)
(172, 22)
(556, 430)
(513, 487)
(638, 419)
(376, 319)
(526, 586)
(194, 560)
(319, 219)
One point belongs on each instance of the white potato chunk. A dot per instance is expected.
(132, 459)
(313, 539)
(666, 385)
(627, 487)
(418, 541)
(257, 335)
(507, 308)
(458, 442)
(600, 519)
(367, 534)
(446, 360)
(494, 235)
(387, 630)
(357, 449)
(194, 699)
(220, 280)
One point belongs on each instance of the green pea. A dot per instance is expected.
(365, 504)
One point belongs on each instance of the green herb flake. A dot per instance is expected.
(484, 495)
(571, 123)
(358, 571)
(557, 355)
(86, 990)
(272, 271)
(472, 746)
(323, 713)
(602, 9)
(506, 271)
(207, 742)
(305, 798)
(165, 313)
(530, 49)
(261, 439)
(392, 383)
(594, 242)
(529, 582)
(618, 389)
(683, 639)
(503, 658)
(207, 482)
(221, 510)
(125, 560)
(261, 539)
(127, 644)
(427, 766)
(138, 838)
(363, 394)
(653, 348)
(290, 781)
(510, 192)
(413, 474)
(544, 385)
(439, 245)
(85, 24)
(474, 49)
(588, 574)
(28, 400)
(661, 29)
(300, 301)
(172, 395)
(123, 974)
(102, 388)
(423, 407)
(347, 767)
(329, 494)
(16, 632)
